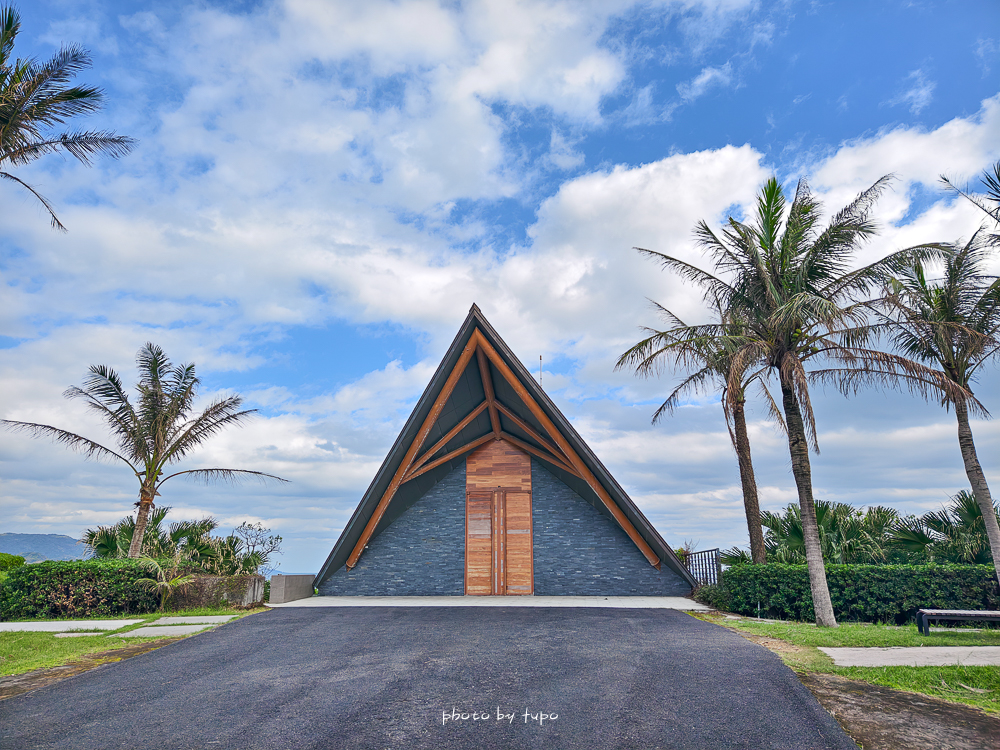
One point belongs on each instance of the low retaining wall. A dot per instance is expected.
(220, 591)
(290, 588)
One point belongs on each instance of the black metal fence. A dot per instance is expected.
(704, 566)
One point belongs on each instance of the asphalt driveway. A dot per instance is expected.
(400, 678)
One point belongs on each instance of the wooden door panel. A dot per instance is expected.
(479, 543)
(498, 547)
(519, 577)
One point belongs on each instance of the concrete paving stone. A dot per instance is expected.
(76, 635)
(161, 632)
(603, 602)
(63, 626)
(193, 619)
(922, 656)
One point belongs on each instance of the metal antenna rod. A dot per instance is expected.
(539, 369)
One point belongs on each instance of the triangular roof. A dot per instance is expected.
(479, 392)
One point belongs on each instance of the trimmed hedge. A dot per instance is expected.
(76, 588)
(9, 562)
(860, 593)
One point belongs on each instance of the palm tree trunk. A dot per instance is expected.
(977, 479)
(799, 450)
(142, 517)
(750, 502)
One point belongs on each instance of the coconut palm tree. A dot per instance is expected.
(35, 99)
(790, 284)
(159, 431)
(989, 203)
(953, 323)
(711, 357)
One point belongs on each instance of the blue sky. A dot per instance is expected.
(321, 189)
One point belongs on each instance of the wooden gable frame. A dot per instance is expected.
(555, 448)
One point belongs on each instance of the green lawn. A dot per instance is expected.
(23, 652)
(797, 642)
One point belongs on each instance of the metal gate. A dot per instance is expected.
(704, 566)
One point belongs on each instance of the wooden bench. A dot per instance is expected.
(924, 617)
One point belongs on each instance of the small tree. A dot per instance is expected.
(168, 576)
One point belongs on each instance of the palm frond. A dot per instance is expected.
(88, 447)
(56, 224)
(225, 476)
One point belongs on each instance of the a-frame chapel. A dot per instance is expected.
(489, 490)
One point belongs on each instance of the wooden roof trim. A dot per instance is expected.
(415, 446)
(585, 473)
(444, 441)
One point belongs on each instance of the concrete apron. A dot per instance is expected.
(609, 602)
(917, 656)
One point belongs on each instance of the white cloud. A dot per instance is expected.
(708, 78)
(919, 93)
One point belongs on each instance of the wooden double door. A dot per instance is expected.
(498, 545)
(498, 554)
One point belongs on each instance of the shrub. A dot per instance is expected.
(9, 562)
(714, 595)
(75, 588)
(861, 593)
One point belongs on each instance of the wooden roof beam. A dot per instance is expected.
(445, 440)
(532, 433)
(450, 455)
(541, 454)
(484, 371)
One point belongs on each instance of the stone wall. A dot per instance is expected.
(577, 550)
(422, 553)
(219, 591)
(580, 551)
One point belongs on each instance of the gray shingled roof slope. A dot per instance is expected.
(468, 394)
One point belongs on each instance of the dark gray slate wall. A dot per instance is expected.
(577, 550)
(580, 551)
(421, 554)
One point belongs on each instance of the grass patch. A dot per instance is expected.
(22, 652)
(797, 644)
(862, 635)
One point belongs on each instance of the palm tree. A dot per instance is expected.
(955, 534)
(791, 287)
(158, 432)
(710, 355)
(168, 576)
(116, 540)
(34, 99)
(847, 535)
(953, 323)
(991, 181)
